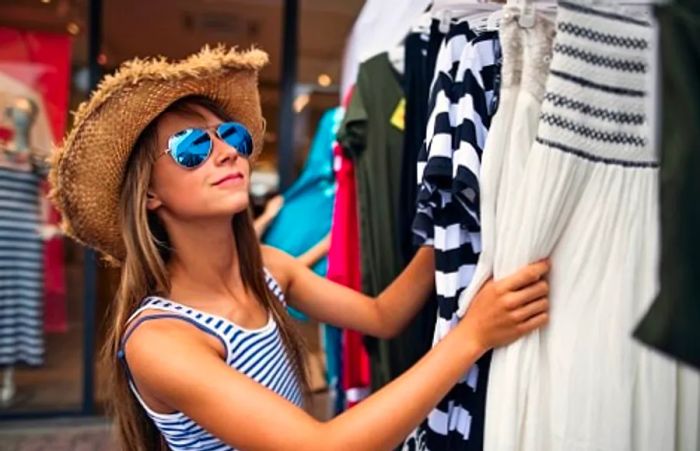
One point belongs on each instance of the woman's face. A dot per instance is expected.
(217, 188)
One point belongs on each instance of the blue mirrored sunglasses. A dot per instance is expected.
(191, 147)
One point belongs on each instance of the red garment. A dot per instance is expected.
(344, 268)
(55, 305)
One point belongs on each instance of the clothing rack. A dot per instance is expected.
(446, 10)
(475, 5)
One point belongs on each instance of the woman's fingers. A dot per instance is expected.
(534, 323)
(528, 294)
(506, 310)
(525, 276)
(531, 310)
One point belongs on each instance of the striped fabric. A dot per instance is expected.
(21, 270)
(449, 163)
(258, 353)
(462, 102)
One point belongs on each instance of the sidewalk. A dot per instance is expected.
(74, 434)
(88, 434)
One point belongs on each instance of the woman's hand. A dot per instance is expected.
(273, 206)
(272, 209)
(316, 252)
(506, 310)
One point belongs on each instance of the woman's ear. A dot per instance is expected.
(153, 202)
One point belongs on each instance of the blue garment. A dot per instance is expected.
(305, 218)
(333, 348)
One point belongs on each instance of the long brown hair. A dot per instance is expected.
(144, 272)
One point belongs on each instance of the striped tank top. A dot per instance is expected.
(257, 353)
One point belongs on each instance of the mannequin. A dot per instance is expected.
(21, 168)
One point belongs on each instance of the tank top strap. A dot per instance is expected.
(206, 323)
(209, 323)
(274, 286)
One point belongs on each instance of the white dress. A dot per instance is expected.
(584, 194)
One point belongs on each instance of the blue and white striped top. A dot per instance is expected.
(258, 353)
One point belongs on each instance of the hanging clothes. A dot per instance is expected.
(584, 194)
(421, 51)
(375, 148)
(372, 134)
(344, 268)
(461, 106)
(313, 192)
(447, 215)
(671, 324)
(21, 269)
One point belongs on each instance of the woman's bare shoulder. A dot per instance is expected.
(279, 263)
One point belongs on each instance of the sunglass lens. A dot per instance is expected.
(236, 136)
(190, 147)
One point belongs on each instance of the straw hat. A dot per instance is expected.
(88, 170)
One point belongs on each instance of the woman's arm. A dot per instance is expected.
(328, 302)
(316, 253)
(194, 380)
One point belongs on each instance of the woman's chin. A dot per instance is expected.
(237, 205)
(233, 200)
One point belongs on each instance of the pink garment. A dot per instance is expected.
(344, 268)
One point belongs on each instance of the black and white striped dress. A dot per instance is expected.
(461, 105)
(21, 269)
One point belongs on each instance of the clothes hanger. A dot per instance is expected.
(455, 4)
(460, 8)
(493, 23)
(475, 10)
(397, 56)
(423, 23)
(397, 53)
(488, 19)
(527, 9)
(486, 14)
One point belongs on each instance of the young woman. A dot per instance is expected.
(201, 354)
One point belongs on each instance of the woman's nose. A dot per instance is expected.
(223, 153)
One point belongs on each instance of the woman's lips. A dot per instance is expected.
(229, 179)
